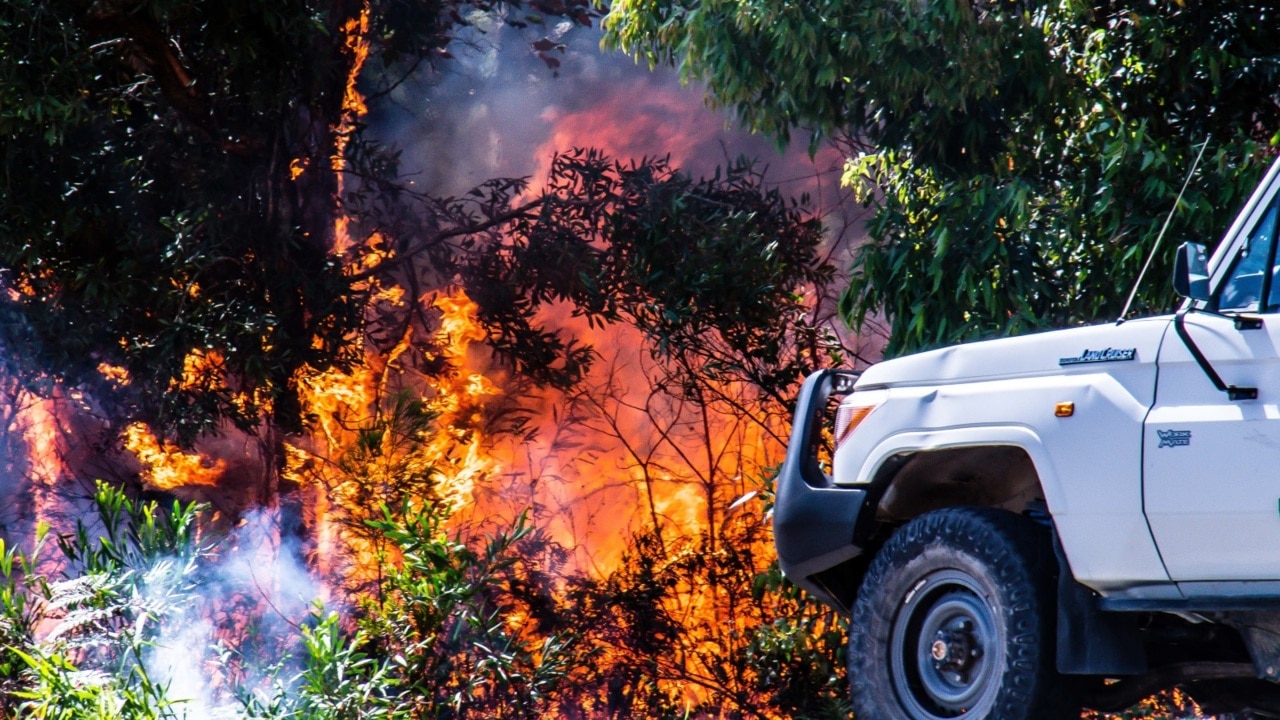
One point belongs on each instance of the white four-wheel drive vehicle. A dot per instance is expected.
(1023, 526)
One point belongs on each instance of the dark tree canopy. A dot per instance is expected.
(148, 213)
(707, 269)
(170, 199)
(1021, 155)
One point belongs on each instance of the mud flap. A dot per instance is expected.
(1090, 641)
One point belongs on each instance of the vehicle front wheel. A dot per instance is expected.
(955, 617)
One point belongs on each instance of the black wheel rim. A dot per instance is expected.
(947, 648)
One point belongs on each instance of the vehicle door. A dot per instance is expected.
(1211, 461)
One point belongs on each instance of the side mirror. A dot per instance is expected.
(1191, 271)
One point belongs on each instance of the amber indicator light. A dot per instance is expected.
(1064, 409)
(848, 419)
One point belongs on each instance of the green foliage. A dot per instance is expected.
(118, 589)
(798, 656)
(704, 268)
(1022, 157)
(1000, 253)
(62, 691)
(442, 618)
(837, 66)
(337, 681)
(438, 643)
(20, 615)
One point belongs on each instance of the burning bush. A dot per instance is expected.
(97, 639)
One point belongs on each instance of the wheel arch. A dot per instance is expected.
(1000, 466)
(912, 473)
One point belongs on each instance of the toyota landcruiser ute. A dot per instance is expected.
(1018, 528)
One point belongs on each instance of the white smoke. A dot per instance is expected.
(487, 112)
(257, 572)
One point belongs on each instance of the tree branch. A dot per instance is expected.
(405, 258)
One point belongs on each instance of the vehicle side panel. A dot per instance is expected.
(1089, 464)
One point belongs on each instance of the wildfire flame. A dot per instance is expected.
(356, 40)
(593, 469)
(197, 367)
(36, 422)
(349, 407)
(114, 373)
(459, 401)
(165, 466)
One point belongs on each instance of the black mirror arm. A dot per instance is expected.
(1233, 392)
(1242, 322)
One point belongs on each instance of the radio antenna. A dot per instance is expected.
(1160, 237)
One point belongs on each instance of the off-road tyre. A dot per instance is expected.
(956, 617)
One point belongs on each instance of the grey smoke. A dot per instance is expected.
(486, 112)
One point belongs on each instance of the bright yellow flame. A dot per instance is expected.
(478, 385)
(458, 399)
(451, 452)
(165, 467)
(114, 373)
(334, 395)
(356, 39)
(458, 326)
(196, 366)
(356, 32)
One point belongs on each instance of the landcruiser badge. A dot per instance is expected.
(1095, 356)
(1173, 438)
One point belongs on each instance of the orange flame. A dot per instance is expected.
(166, 467)
(197, 366)
(356, 33)
(37, 421)
(452, 453)
(114, 373)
